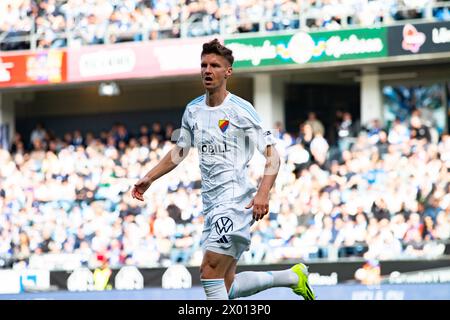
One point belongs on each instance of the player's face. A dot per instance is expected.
(215, 70)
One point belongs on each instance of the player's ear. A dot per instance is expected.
(228, 72)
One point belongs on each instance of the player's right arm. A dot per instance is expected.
(173, 158)
(166, 165)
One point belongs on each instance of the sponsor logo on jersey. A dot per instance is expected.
(213, 148)
(223, 125)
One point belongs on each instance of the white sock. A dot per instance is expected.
(248, 283)
(284, 278)
(215, 289)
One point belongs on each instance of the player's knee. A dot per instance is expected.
(206, 272)
(209, 270)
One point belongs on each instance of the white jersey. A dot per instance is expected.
(225, 137)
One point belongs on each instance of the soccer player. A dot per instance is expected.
(225, 128)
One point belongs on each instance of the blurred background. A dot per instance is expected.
(358, 92)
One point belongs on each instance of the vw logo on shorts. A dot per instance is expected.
(224, 225)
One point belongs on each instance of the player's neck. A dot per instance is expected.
(215, 98)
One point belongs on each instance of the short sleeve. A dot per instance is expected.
(186, 137)
(262, 137)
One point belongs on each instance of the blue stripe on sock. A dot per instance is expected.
(231, 294)
(211, 282)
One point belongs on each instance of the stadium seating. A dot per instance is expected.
(31, 24)
(383, 194)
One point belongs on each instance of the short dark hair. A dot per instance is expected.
(214, 46)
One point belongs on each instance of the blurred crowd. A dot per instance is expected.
(374, 192)
(80, 22)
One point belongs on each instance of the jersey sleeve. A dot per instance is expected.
(186, 137)
(261, 136)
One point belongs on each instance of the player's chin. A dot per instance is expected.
(208, 85)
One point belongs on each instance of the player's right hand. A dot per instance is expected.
(140, 187)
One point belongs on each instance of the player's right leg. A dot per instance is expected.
(212, 274)
(225, 236)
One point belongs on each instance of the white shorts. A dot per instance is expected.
(227, 229)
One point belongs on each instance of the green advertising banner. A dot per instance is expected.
(302, 47)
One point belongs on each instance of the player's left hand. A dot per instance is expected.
(260, 204)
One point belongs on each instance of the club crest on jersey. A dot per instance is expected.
(223, 125)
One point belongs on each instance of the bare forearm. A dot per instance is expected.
(260, 202)
(167, 164)
(266, 184)
(270, 171)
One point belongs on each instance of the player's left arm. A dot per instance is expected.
(260, 202)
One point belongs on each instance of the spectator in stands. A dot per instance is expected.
(373, 131)
(382, 144)
(379, 210)
(168, 131)
(346, 132)
(419, 131)
(279, 130)
(144, 131)
(102, 274)
(297, 157)
(157, 131)
(316, 124)
(443, 225)
(38, 133)
(432, 209)
(414, 245)
(319, 148)
(17, 145)
(306, 136)
(399, 133)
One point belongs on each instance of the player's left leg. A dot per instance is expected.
(251, 282)
(230, 275)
